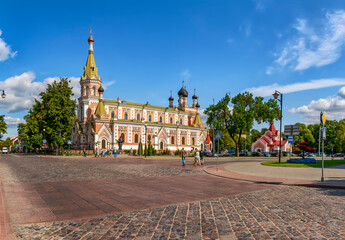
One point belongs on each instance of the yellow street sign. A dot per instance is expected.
(323, 118)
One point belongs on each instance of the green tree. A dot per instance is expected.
(55, 113)
(305, 135)
(239, 118)
(3, 126)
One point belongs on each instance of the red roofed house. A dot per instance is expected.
(270, 141)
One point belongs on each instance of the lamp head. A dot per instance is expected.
(276, 95)
(3, 95)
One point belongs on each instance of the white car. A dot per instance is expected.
(4, 150)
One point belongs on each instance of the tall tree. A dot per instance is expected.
(239, 118)
(3, 126)
(52, 117)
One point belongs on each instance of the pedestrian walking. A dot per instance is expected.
(96, 154)
(202, 157)
(183, 155)
(101, 152)
(131, 152)
(197, 157)
(115, 153)
(84, 152)
(105, 153)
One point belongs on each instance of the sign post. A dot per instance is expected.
(44, 145)
(323, 121)
(69, 142)
(218, 137)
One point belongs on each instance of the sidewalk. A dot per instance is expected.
(255, 172)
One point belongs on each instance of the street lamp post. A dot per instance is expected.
(276, 95)
(44, 138)
(178, 125)
(145, 137)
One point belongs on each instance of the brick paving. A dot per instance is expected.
(88, 198)
(279, 213)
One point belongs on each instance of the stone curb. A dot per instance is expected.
(224, 173)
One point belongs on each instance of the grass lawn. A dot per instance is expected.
(328, 163)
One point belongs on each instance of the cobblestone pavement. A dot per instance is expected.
(279, 213)
(23, 168)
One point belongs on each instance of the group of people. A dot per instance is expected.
(105, 153)
(198, 157)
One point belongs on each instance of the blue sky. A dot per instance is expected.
(144, 49)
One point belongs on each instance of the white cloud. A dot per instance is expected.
(107, 84)
(186, 74)
(22, 90)
(333, 106)
(268, 90)
(13, 122)
(269, 70)
(311, 49)
(246, 28)
(259, 5)
(5, 50)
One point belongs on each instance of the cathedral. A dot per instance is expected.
(103, 123)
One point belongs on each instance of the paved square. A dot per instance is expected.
(89, 198)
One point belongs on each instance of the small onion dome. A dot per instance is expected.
(197, 105)
(90, 39)
(195, 96)
(100, 89)
(171, 98)
(183, 92)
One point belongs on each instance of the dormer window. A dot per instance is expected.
(92, 68)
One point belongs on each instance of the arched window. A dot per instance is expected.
(123, 137)
(150, 118)
(103, 143)
(136, 138)
(87, 91)
(202, 147)
(183, 141)
(193, 141)
(181, 121)
(138, 116)
(94, 91)
(149, 137)
(112, 114)
(126, 116)
(161, 145)
(160, 119)
(172, 140)
(171, 120)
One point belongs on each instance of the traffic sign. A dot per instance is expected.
(323, 118)
(324, 132)
(291, 129)
(44, 141)
(218, 134)
(69, 142)
(290, 139)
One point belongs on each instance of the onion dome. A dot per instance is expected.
(171, 98)
(100, 89)
(195, 96)
(90, 38)
(183, 92)
(197, 105)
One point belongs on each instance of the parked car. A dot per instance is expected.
(208, 154)
(245, 153)
(221, 154)
(258, 154)
(274, 153)
(266, 154)
(338, 155)
(231, 152)
(4, 150)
